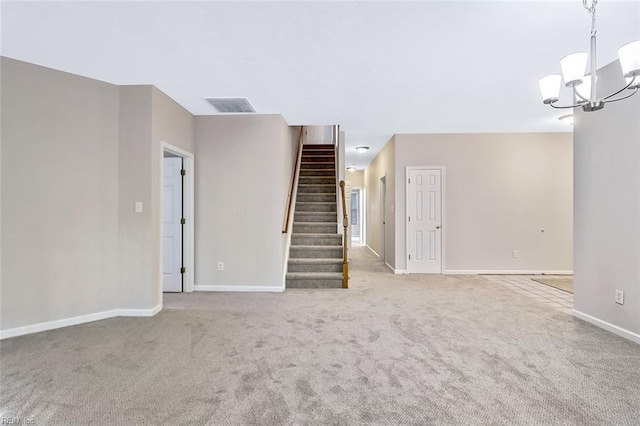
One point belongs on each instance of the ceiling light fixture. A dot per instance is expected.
(351, 169)
(362, 149)
(567, 119)
(584, 87)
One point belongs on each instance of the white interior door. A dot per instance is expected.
(424, 221)
(354, 216)
(383, 219)
(172, 226)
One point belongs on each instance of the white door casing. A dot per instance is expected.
(424, 220)
(383, 219)
(171, 225)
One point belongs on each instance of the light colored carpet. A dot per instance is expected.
(391, 350)
(561, 283)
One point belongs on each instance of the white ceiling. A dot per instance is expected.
(376, 68)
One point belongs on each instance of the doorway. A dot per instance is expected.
(176, 220)
(356, 216)
(383, 219)
(172, 223)
(424, 220)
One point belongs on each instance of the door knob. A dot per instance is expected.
(437, 227)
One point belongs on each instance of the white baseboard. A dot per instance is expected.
(396, 271)
(634, 337)
(245, 288)
(139, 312)
(504, 272)
(373, 251)
(81, 319)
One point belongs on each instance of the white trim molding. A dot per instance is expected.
(396, 271)
(373, 251)
(240, 288)
(634, 337)
(139, 312)
(505, 272)
(81, 319)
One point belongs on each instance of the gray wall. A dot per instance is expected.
(172, 124)
(148, 117)
(355, 179)
(59, 195)
(134, 231)
(384, 164)
(500, 191)
(242, 184)
(78, 153)
(607, 207)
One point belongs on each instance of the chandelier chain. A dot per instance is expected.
(591, 8)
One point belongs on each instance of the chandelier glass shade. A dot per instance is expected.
(584, 86)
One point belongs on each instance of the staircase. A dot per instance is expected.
(315, 255)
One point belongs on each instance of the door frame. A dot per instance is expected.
(360, 215)
(383, 218)
(188, 231)
(443, 227)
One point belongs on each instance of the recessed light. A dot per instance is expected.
(362, 149)
(351, 169)
(567, 119)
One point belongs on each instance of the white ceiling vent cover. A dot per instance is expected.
(231, 105)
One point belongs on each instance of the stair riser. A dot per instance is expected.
(319, 228)
(316, 207)
(318, 159)
(328, 283)
(318, 146)
(315, 253)
(333, 240)
(317, 189)
(311, 165)
(325, 267)
(315, 217)
(317, 198)
(317, 180)
(318, 172)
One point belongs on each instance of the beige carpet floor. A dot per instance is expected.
(561, 283)
(392, 350)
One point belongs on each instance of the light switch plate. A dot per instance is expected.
(138, 208)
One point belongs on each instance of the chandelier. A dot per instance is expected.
(584, 86)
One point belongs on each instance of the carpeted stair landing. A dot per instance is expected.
(315, 256)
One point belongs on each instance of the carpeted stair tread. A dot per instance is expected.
(316, 246)
(306, 261)
(315, 275)
(307, 246)
(315, 234)
(315, 223)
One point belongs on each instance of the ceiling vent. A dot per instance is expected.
(231, 105)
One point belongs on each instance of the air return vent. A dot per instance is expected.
(231, 105)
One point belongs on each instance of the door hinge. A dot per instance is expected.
(183, 172)
(183, 221)
(409, 180)
(409, 218)
(183, 270)
(409, 257)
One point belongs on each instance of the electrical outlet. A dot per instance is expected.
(220, 266)
(620, 297)
(514, 254)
